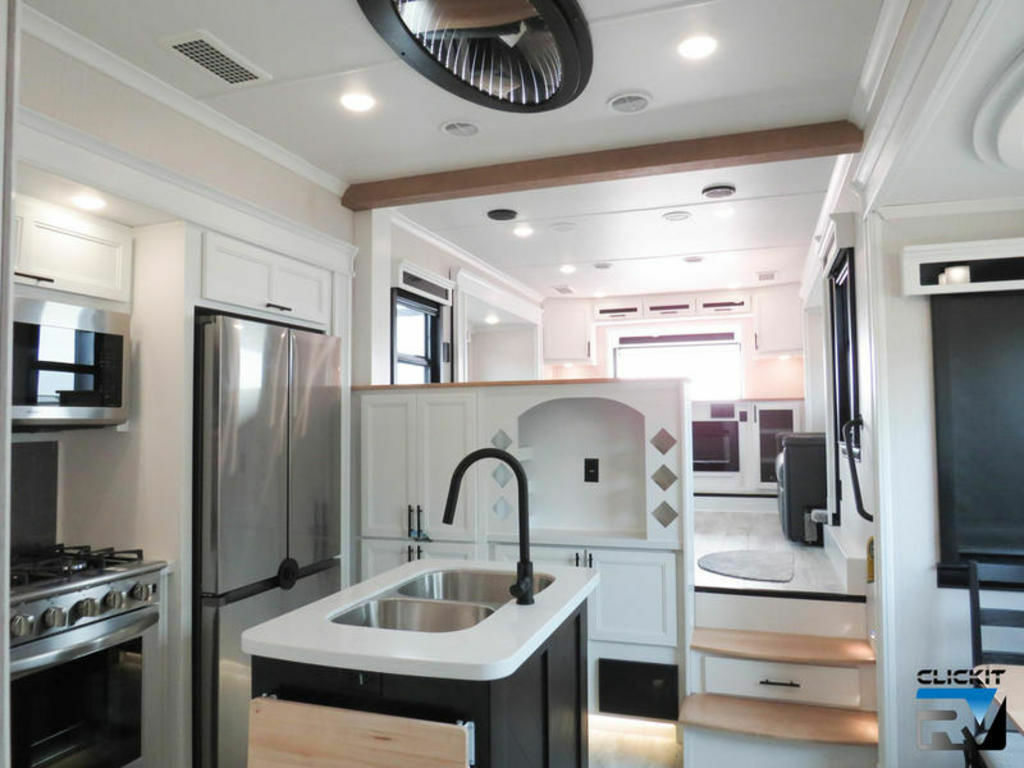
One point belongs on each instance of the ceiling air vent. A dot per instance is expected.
(765, 277)
(211, 54)
(565, 290)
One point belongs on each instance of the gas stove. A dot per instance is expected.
(59, 588)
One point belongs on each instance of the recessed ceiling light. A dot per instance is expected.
(567, 269)
(693, 259)
(630, 102)
(502, 214)
(733, 286)
(522, 230)
(676, 215)
(461, 129)
(358, 102)
(599, 294)
(718, 191)
(697, 47)
(725, 211)
(492, 319)
(88, 202)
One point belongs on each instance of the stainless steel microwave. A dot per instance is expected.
(70, 365)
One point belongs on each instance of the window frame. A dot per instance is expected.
(431, 362)
(702, 338)
(845, 399)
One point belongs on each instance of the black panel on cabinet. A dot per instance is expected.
(640, 689)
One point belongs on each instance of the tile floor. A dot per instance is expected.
(757, 527)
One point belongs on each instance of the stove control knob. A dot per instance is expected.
(84, 608)
(143, 592)
(54, 617)
(21, 625)
(114, 599)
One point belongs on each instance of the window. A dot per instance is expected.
(846, 401)
(711, 361)
(415, 339)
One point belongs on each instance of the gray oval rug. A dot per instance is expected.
(750, 564)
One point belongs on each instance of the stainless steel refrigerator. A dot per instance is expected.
(267, 501)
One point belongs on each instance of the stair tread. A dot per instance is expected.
(776, 646)
(780, 720)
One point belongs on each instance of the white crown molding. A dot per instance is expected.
(890, 19)
(824, 229)
(61, 149)
(471, 261)
(939, 35)
(53, 33)
(951, 208)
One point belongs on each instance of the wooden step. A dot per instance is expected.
(780, 720)
(776, 646)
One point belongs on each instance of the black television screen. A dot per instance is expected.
(978, 346)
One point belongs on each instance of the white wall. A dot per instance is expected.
(509, 354)
(63, 88)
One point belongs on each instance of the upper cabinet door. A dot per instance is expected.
(314, 486)
(235, 272)
(70, 251)
(779, 320)
(447, 432)
(301, 291)
(568, 332)
(388, 461)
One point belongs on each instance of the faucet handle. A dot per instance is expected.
(522, 590)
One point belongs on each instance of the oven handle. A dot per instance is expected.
(126, 627)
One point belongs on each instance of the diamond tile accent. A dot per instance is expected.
(664, 477)
(501, 475)
(663, 441)
(502, 509)
(501, 441)
(665, 515)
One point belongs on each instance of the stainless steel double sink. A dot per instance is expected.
(437, 601)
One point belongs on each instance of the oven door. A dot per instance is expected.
(77, 697)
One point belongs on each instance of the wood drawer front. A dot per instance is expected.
(830, 686)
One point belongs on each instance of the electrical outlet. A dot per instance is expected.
(590, 471)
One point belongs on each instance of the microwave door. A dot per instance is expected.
(314, 515)
(244, 445)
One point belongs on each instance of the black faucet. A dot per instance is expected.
(522, 590)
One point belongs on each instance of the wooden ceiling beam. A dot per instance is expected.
(770, 146)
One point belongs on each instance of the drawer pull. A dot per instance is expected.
(282, 307)
(39, 278)
(780, 683)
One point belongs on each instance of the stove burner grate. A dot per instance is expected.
(63, 562)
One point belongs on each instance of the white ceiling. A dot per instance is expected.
(43, 185)
(780, 62)
(773, 217)
(943, 165)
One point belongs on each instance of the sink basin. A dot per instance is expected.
(414, 615)
(485, 587)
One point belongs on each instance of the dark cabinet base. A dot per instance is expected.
(534, 718)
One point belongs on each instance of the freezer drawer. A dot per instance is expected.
(225, 684)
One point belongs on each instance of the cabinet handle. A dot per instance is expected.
(419, 522)
(408, 554)
(780, 683)
(577, 559)
(590, 560)
(756, 345)
(412, 531)
(282, 307)
(588, 350)
(419, 553)
(40, 278)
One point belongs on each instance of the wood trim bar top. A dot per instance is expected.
(768, 146)
(776, 646)
(780, 720)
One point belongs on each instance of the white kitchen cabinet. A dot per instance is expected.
(723, 303)
(803, 683)
(568, 332)
(409, 446)
(779, 320)
(379, 555)
(66, 250)
(636, 599)
(238, 273)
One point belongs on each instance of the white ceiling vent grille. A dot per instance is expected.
(565, 290)
(765, 277)
(211, 54)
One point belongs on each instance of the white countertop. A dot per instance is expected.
(491, 650)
